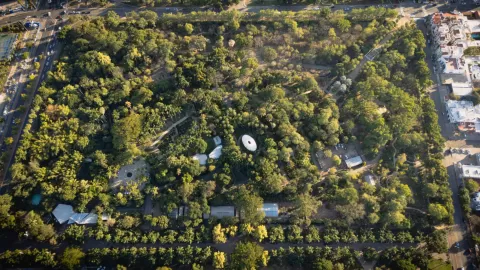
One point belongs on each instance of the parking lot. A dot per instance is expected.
(344, 151)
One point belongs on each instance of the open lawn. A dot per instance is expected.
(436, 264)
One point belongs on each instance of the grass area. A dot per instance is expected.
(435, 264)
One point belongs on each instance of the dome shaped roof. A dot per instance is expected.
(249, 143)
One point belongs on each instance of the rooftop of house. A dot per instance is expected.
(471, 171)
(354, 161)
(462, 111)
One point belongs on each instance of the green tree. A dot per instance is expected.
(8, 140)
(219, 234)
(75, 233)
(188, 28)
(305, 206)
(276, 234)
(437, 211)
(323, 264)
(269, 54)
(260, 233)
(405, 265)
(248, 204)
(246, 255)
(126, 131)
(337, 160)
(6, 219)
(72, 258)
(437, 242)
(219, 260)
(472, 185)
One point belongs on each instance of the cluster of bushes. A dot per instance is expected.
(470, 187)
(149, 258)
(28, 258)
(319, 258)
(312, 234)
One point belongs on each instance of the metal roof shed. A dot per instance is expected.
(270, 209)
(222, 211)
(354, 161)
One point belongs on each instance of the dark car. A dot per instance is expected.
(85, 12)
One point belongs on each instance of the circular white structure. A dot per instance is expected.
(249, 143)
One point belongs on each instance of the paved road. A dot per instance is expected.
(46, 42)
(458, 231)
(407, 8)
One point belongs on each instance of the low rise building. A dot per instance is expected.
(464, 114)
(354, 161)
(270, 210)
(64, 213)
(471, 171)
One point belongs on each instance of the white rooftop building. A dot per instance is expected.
(220, 212)
(64, 213)
(462, 111)
(249, 143)
(471, 171)
(216, 153)
(202, 158)
(354, 161)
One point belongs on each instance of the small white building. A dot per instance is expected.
(462, 111)
(217, 140)
(471, 171)
(202, 159)
(249, 143)
(220, 212)
(216, 153)
(64, 213)
(354, 161)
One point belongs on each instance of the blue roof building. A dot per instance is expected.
(270, 209)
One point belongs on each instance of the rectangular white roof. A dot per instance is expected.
(354, 161)
(202, 158)
(222, 211)
(471, 171)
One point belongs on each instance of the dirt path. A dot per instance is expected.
(353, 75)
